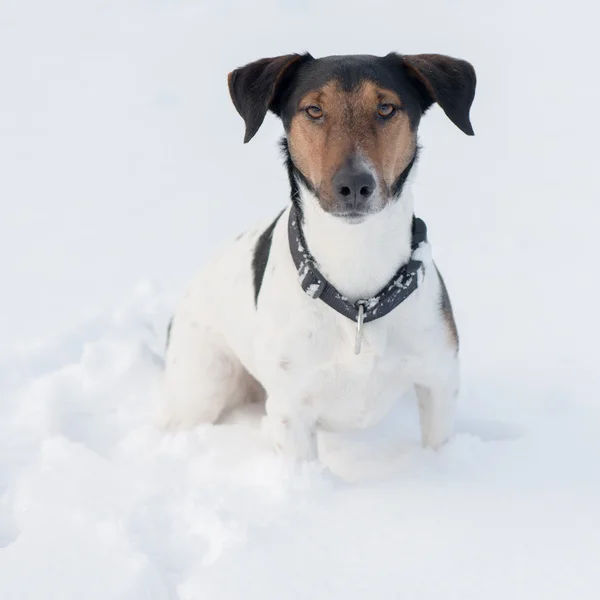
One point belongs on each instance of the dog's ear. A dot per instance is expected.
(256, 88)
(448, 81)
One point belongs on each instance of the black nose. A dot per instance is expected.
(353, 187)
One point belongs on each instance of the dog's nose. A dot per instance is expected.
(353, 187)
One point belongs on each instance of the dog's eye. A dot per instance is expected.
(385, 111)
(314, 112)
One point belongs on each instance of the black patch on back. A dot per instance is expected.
(261, 256)
(446, 307)
(169, 326)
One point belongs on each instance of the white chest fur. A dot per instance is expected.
(309, 362)
(304, 350)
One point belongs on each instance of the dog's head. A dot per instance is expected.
(351, 121)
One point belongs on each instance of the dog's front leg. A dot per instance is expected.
(437, 410)
(292, 428)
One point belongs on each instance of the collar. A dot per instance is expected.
(400, 287)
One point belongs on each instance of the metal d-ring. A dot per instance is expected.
(359, 327)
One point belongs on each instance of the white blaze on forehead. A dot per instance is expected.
(361, 161)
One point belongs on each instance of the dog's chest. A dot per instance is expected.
(310, 363)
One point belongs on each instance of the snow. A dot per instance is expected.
(117, 141)
(371, 303)
(312, 289)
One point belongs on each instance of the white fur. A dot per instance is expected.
(302, 351)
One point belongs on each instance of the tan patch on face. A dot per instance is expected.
(349, 129)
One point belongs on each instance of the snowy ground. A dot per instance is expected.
(95, 503)
(116, 135)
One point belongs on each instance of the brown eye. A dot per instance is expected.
(385, 111)
(314, 112)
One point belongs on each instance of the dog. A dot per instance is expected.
(335, 308)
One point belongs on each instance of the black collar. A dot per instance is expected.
(400, 287)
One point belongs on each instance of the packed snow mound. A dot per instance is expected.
(96, 502)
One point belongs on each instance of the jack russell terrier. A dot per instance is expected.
(335, 309)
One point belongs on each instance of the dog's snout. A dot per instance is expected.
(353, 187)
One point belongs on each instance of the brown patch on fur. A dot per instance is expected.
(350, 128)
(447, 313)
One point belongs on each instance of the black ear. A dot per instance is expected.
(448, 81)
(255, 88)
